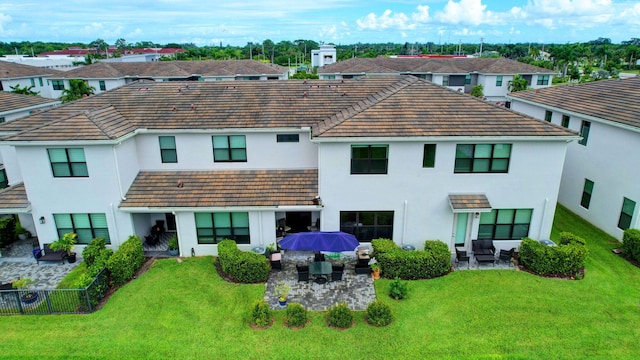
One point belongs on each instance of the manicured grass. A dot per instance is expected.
(184, 310)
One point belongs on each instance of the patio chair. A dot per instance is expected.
(337, 275)
(506, 255)
(462, 256)
(339, 267)
(318, 257)
(303, 272)
(276, 261)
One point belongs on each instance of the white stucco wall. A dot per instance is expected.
(45, 89)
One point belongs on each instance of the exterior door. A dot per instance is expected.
(461, 230)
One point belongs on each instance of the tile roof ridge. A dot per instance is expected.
(364, 104)
(45, 124)
(90, 115)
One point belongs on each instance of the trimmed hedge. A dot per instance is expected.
(562, 260)
(261, 316)
(92, 251)
(296, 315)
(243, 266)
(124, 263)
(340, 316)
(631, 244)
(379, 314)
(433, 261)
(567, 238)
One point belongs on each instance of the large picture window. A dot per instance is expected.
(231, 148)
(68, 162)
(168, 151)
(87, 226)
(367, 225)
(212, 228)
(587, 190)
(369, 159)
(482, 158)
(505, 224)
(626, 214)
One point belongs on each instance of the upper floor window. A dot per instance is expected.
(33, 82)
(2, 119)
(467, 79)
(40, 81)
(543, 80)
(587, 190)
(482, 158)
(547, 115)
(445, 80)
(103, 86)
(168, 151)
(565, 121)
(499, 80)
(87, 226)
(369, 159)
(626, 214)
(505, 224)
(584, 132)
(229, 148)
(57, 84)
(288, 138)
(4, 182)
(211, 228)
(429, 156)
(68, 162)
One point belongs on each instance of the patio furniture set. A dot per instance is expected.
(484, 252)
(320, 269)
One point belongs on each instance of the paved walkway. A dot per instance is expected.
(17, 262)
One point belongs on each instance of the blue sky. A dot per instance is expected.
(330, 21)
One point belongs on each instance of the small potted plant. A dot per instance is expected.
(375, 269)
(21, 233)
(173, 249)
(26, 296)
(282, 290)
(66, 243)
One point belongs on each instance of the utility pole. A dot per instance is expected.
(250, 52)
(481, 40)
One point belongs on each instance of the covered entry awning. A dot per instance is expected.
(13, 200)
(462, 203)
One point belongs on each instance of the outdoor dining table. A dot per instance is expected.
(320, 269)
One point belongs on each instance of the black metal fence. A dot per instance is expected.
(56, 301)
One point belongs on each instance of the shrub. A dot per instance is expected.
(631, 244)
(434, 261)
(92, 251)
(243, 266)
(379, 314)
(124, 263)
(340, 316)
(296, 315)
(563, 260)
(7, 231)
(381, 246)
(261, 316)
(398, 289)
(567, 238)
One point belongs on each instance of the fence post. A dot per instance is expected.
(46, 296)
(86, 293)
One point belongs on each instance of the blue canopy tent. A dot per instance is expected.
(333, 241)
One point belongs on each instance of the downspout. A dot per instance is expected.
(260, 226)
(180, 237)
(544, 212)
(115, 222)
(115, 162)
(404, 220)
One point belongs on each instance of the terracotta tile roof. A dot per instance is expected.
(13, 102)
(14, 197)
(10, 70)
(385, 65)
(469, 202)
(616, 100)
(371, 106)
(223, 188)
(156, 69)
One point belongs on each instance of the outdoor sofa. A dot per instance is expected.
(47, 254)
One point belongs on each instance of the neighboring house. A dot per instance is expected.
(57, 62)
(459, 74)
(105, 76)
(326, 55)
(600, 177)
(395, 157)
(12, 74)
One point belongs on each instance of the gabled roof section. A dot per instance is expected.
(222, 188)
(616, 100)
(14, 200)
(14, 102)
(10, 70)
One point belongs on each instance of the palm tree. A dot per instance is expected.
(77, 90)
(25, 90)
(518, 83)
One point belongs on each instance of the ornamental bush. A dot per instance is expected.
(296, 315)
(433, 261)
(92, 251)
(562, 260)
(379, 314)
(631, 244)
(567, 238)
(7, 231)
(261, 316)
(340, 316)
(124, 263)
(243, 266)
(398, 289)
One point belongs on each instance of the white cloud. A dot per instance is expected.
(469, 12)
(4, 20)
(384, 21)
(632, 14)
(421, 14)
(569, 7)
(468, 32)
(577, 14)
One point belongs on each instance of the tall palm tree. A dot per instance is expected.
(77, 90)
(518, 83)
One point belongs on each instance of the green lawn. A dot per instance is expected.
(184, 310)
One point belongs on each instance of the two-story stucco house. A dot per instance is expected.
(600, 177)
(103, 76)
(13, 74)
(459, 74)
(396, 157)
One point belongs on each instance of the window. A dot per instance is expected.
(505, 224)
(57, 84)
(626, 214)
(329, 77)
(232, 148)
(288, 138)
(467, 79)
(586, 193)
(211, 228)
(499, 80)
(547, 115)
(33, 81)
(507, 104)
(482, 158)
(543, 79)
(367, 225)
(565, 121)
(2, 119)
(168, 149)
(103, 86)
(40, 81)
(445, 80)
(584, 132)
(4, 182)
(369, 159)
(68, 162)
(429, 156)
(87, 226)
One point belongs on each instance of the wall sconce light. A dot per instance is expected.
(42, 221)
(477, 215)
